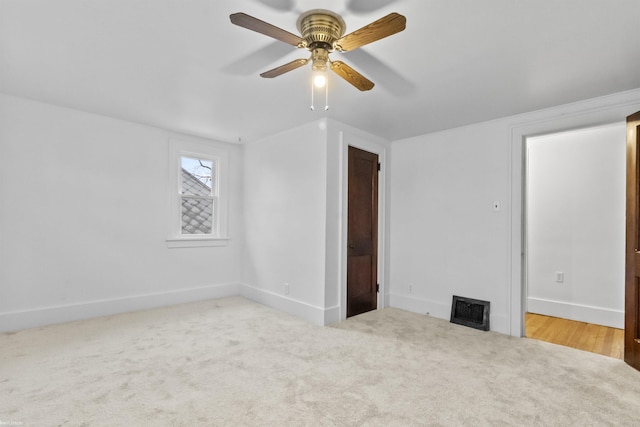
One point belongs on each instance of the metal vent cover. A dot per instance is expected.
(470, 312)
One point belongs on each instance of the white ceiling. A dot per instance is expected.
(181, 65)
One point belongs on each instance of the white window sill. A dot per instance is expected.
(196, 242)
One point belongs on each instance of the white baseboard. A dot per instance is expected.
(316, 315)
(420, 305)
(581, 313)
(440, 310)
(36, 317)
(387, 300)
(32, 318)
(331, 315)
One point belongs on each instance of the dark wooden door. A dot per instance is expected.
(362, 232)
(632, 270)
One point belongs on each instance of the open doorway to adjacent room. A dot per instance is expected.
(575, 238)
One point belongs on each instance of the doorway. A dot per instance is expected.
(574, 210)
(362, 231)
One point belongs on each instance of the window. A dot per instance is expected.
(198, 196)
(198, 202)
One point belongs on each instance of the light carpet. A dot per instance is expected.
(232, 362)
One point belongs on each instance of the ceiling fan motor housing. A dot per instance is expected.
(321, 28)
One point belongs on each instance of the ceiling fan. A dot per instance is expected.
(322, 32)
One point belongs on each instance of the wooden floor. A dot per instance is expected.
(584, 336)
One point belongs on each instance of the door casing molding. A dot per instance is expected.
(594, 112)
(381, 151)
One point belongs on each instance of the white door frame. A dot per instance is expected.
(381, 150)
(597, 112)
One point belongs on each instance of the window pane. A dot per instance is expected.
(197, 216)
(198, 176)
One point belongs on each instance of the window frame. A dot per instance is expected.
(191, 147)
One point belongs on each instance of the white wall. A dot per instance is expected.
(83, 219)
(85, 204)
(84, 233)
(445, 237)
(576, 224)
(285, 219)
(295, 216)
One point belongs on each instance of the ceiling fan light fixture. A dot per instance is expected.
(320, 83)
(319, 58)
(320, 79)
(319, 61)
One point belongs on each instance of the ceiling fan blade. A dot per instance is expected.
(351, 75)
(383, 27)
(254, 24)
(284, 68)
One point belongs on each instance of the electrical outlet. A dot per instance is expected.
(410, 288)
(286, 289)
(559, 277)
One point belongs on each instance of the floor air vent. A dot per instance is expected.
(470, 312)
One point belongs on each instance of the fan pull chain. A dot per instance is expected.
(326, 95)
(312, 90)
